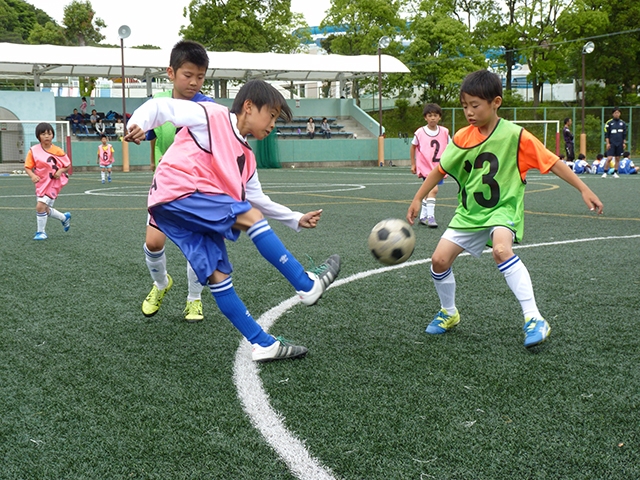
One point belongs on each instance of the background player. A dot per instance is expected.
(615, 135)
(188, 67)
(105, 158)
(47, 166)
(426, 149)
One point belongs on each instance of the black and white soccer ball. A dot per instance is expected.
(392, 241)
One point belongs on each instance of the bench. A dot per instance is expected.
(302, 135)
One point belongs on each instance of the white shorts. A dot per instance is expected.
(48, 201)
(473, 242)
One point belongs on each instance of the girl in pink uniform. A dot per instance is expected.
(47, 166)
(105, 158)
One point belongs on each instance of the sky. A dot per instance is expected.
(162, 29)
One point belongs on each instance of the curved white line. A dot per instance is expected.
(255, 400)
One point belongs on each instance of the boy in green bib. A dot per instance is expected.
(489, 160)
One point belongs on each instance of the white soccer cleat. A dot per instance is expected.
(322, 277)
(280, 350)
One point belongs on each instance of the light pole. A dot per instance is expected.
(586, 49)
(123, 32)
(382, 44)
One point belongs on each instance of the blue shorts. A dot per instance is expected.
(441, 182)
(198, 225)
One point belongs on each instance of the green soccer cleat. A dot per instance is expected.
(193, 311)
(443, 322)
(152, 303)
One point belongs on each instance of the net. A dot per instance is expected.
(18, 136)
(550, 137)
(267, 155)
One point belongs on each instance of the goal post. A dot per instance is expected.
(540, 128)
(18, 136)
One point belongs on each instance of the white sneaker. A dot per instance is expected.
(280, 350)
(615, 175)
(322, 277)
(604, 175)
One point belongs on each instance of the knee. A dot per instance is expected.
(501, 253)
(439, 263)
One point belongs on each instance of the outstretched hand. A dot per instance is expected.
(311, 219)
(135, 134)
(593, 202)
(413, 211)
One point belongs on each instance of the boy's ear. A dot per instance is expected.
(497, 102)
(171, 74)
(247, 106)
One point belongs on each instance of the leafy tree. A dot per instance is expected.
(365, 22)
(439, 55)
(51, 34)
(17, 19)
(82, 25)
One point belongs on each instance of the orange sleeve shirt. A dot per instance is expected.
(531, 151)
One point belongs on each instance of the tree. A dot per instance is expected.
(51, 34)
(82, 26)
(18, 18)
(364, 21)
(440, 53)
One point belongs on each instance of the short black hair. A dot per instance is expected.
(103, 136)
(431, 108)
(188, 51)
(615, 109)
(43, 128)
(566, 120)
(482, 84)
(260, 93)
(599, 156)
(581, 156)
(625, 154)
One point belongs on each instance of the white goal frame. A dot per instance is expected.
(17, 137)
(546, 124)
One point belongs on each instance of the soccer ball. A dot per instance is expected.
(392, 241)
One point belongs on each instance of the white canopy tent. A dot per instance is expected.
(51, 62)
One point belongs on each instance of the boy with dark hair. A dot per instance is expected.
(426, 149)
(615, 135)
(489, 160)
(187, 70)
(581, 165)
(206, 190)
(627, 167)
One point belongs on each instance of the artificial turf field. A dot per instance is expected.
(91, 389)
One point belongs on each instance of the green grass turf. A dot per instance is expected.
(90, 388)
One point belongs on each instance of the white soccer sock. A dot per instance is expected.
(445, 284)
(195, 287)
(41, 221)
(519, 281)
(431, 207)
(423, 211)
(57, 215)
(157, 265)
(102, 175)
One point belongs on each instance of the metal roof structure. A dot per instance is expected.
(52, 62)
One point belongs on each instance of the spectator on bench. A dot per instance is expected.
(311, 128)
(77, 122)
(326, 128)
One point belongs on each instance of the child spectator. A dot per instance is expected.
(597, 167)
(426, 149)
(83, 107)
(93, 118)
(47, 166)
(325, 128)
(627, 167)
(105, 158)
(101, 128)
(206, 190)
(489, 160)
(119, 128)
(188, 65)
(581, 165)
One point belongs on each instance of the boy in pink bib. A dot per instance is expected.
(105, 158)
(206, 190)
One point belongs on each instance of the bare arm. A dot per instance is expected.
(412, 157)
(591, 199)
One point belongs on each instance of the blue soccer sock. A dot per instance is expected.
(232, 307)
(274, 251)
